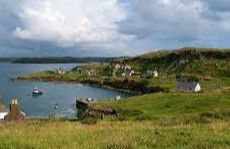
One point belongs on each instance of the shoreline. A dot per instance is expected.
(75, 82)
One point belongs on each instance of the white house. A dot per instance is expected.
(152, 73)
(127, 67)
(118, 98)
(188, 86)
(2, 115)
(115, 66)
(61, 71)
(155, 73)
(119, 66)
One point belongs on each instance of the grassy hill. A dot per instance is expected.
(174, 108)
(186, 60)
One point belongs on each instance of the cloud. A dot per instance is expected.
(177, 23)
(166, 18)
(218, 6)
(71, 21)
(111, 27)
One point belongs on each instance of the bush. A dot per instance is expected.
(156, 89)
(81, 113)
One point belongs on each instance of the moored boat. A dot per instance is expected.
(36, 92)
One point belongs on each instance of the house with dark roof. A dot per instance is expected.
(188, 86)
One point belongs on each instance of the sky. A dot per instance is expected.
(110, 27)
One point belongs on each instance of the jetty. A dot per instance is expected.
(91, 111)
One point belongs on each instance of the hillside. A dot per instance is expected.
(186, 60)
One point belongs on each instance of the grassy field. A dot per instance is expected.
(113, 135)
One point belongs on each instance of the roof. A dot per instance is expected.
(188, 84)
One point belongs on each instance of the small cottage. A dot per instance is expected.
(2, 115)
(155, 73)
(115, 66)
(119, 66)
(126, 67)
(118, 98)
(15, 112)
(90, 72)
(151, 73)
(79, 70)
(61, 71)
(128, 73)
(188, 86)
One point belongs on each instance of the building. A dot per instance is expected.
(93, 71)
(155, 73)
(78, 69)
(151, 73)
(15, 112)
(115, 66)
(118, 98)
(89, 72)
(128, 73)
(61, 71)
(188, 86)
(2, 115)
(119, 66)
(126, 67)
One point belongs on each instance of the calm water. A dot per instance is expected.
(54, 93)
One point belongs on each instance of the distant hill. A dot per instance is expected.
(186, 60)
(3, 59)
(64, 60)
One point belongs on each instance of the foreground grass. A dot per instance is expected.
(201, 107)
(127, 135)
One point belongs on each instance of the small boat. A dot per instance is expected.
(56, 106)
(36, 92)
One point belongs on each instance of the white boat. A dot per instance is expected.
(56, 106)
(36, 92)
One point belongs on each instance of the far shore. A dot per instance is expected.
(75, 81)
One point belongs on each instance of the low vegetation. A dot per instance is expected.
(113, 135)
(212, 62)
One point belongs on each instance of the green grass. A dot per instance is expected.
(51, 76)
(112, 135)
(172, 106)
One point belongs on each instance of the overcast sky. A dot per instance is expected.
(110, 27)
